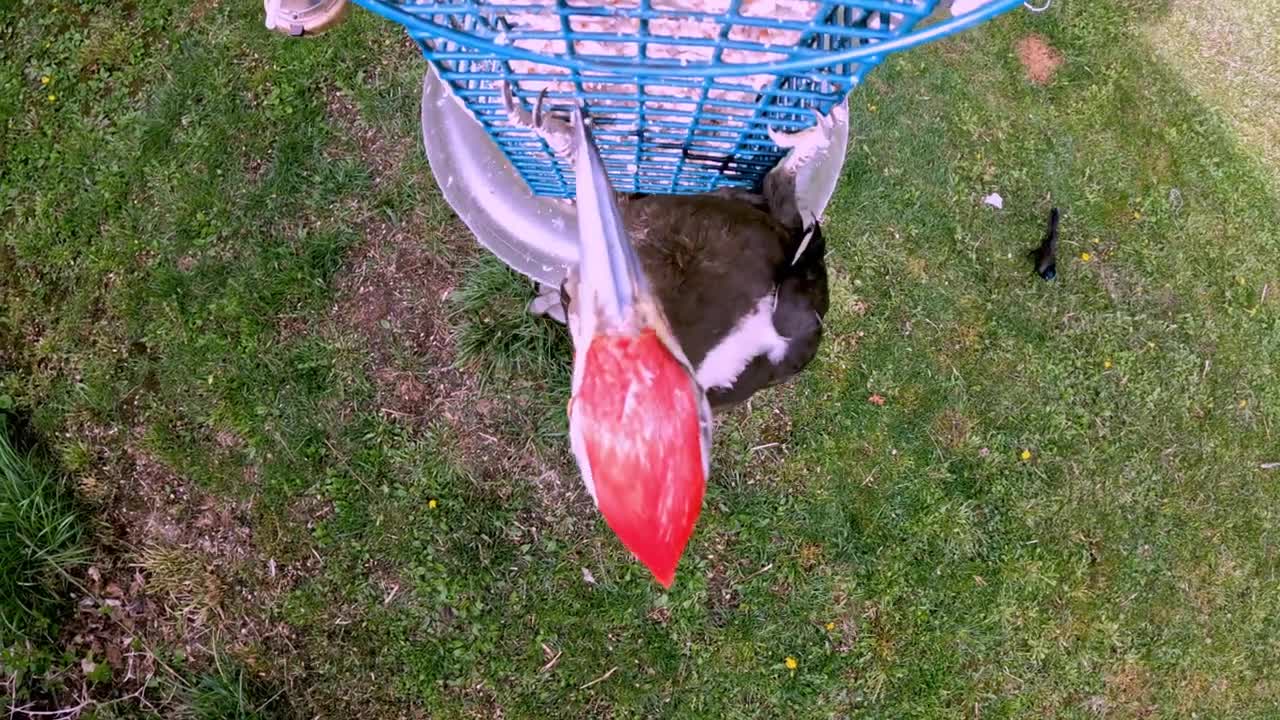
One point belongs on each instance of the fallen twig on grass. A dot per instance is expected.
(756, 574)
(600, 679)
(554, 655)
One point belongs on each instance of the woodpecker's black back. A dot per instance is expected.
(710, 260)
(802, 302)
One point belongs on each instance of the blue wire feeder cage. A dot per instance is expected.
(682, 94)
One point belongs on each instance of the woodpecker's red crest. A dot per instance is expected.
(639, 423)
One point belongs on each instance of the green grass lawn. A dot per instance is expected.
(324, 451)
(1228, 54)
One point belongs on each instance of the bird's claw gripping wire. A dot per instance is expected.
(784, 189)
(805, 144)
(554, 131)
(558, 134)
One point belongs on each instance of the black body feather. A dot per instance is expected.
(1046, 255)
(710, 258)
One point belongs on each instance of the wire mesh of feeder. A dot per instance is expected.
(681, 92)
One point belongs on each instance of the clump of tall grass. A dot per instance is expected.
(497, 337)
(42, 539)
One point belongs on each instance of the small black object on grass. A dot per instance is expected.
(1046, 262)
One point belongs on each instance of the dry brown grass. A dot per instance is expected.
(1229, 55)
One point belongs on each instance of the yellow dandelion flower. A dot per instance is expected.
(1243, 403)
(1026, 455)
(792, 663)
(1106, 364)
(432, 503)
(831, 626)
(53, 98)
(45, 79)
(1085, 256)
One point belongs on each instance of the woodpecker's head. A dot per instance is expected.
(639, 423)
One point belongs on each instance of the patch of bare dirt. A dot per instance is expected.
(481, 702)
(775, 429)
(176, 570)
(1127, 693)
(846, 627)
(769, 434)
(391, 300)
(1197, 690)
(723, 597)
(391, 293)
(1120, 286)
(1040, 59)
(255, 169)
(382, 152)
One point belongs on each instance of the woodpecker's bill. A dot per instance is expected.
(639, 422)
(679, 303)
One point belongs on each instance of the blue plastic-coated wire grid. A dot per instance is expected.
(681, 92)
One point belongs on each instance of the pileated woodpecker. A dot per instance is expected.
(679, 303)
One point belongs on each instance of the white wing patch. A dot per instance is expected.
(752, 336)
